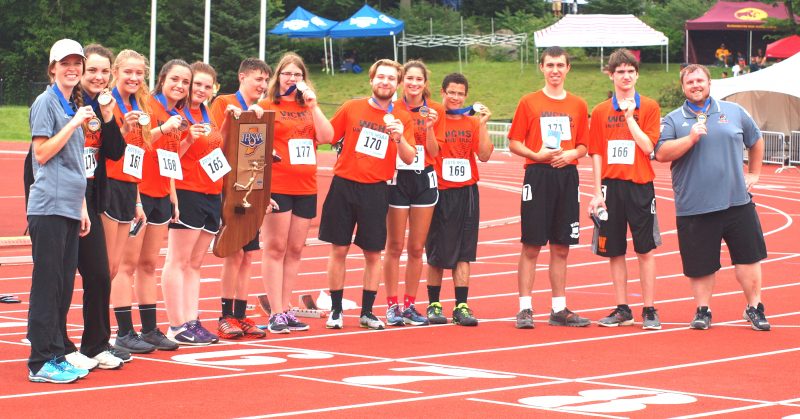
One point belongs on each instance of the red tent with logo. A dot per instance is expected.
(738, 25)
(784, 48)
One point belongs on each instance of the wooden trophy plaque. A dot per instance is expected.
(246, 189)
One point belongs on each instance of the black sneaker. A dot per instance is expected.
(157, 339)
(618, 317)
(133, 343)
(566, 317)
(702, 319)
(755, 315)
(462, 316)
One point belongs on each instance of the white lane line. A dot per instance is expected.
(724, 411)
(525, 406)
(320, 380)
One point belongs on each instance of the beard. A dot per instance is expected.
(378, 95)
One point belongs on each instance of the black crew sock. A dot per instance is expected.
(433, 293)
(461, 295)
(336, 300)
(367, 300)
(147, 312)
(227, 307)
(239, 308)
(124, 322)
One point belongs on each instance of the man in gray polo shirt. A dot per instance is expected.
(704, 140)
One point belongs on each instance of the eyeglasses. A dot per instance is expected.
(455, 94)
(288, 74)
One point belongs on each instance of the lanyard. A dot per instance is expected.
(91, 101)
(697, 109)
(69, 107)
(121, 103)
(387, 110)
(240, 98)
(461, 111)
(424, 104)
(202, 110)
(163, 101)
(615, 103)
(290, 90)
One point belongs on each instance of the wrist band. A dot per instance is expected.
(139, 204)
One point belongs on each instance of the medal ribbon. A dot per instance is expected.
(69, 107)
(461, 111)
(92, 101)
(615, 103)
(240, 98)
(387, 110)
(121, 103)
(424, 103)
(202, 110)
(698, 110)
(290, 90)
(163, 101)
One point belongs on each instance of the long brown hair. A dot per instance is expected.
(426, 92)
(141, 95)
(76, 96)
(274, 89)
(162, 77)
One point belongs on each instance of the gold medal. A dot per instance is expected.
(701, 118)
(424, 111)
(93, 124)
(301, 86)
(104, 99)
(144, 119)
(184, 124)
(388, 118)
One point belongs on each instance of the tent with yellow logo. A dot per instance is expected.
(738, 25)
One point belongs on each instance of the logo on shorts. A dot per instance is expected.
(251, 140)
(601, 244)
(575, 230)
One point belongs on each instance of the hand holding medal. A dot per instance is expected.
(484, 112)
(107, 103)
(393, 126)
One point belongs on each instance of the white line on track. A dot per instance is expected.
(573, 412)
(320, 380)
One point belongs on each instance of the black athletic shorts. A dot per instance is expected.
(700, 237)
(157, 210)
(629, 204)
(412, 188)
(122, 201)
(254, 244)
(550, 205)
(352, 203)
(453, 235)
(198, 211)
(303, 206)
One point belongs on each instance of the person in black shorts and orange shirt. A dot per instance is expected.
(453, 238)
(624, 132)
(374, 134)
(551, 130)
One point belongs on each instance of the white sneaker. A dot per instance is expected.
(79, 360)
(106, 361)
(335, 320)
(369, 321)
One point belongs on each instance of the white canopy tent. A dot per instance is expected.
(768, 94)
(599, 31)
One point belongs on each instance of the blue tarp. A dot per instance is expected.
(367, 22)
(303, 24)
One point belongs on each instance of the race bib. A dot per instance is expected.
(132, 164)
(417, 164)
(301, 151)
(169, 164)
(555, 129)
(621, 151)
(215, 165)
(373, 143)
(90, 160)
(456, 170)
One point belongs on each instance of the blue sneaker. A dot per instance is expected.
(80, 372)
(51, 372)
(186, 335)
(412, 317)
(394, 317)
(201, 331)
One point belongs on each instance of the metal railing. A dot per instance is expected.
(794, 148)
(498, 133)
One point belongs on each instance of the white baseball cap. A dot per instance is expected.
(63, 48)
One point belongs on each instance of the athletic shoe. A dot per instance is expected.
(335, 320)
(106, 361)
(566, 317)
(618, 317)
(369, 321)
(755, 315)
(133, 343)
(120, 353)
(462, 315)
(650, 320)
(525, 319)
(250, 330)
(293, 323)
(51, 372)
(394, 317)
(228, 328)
(277, 324)
(702, 319)
(435, 315)
(412, 317)
(156, 338)
(80, 360)
(80, 372)
(201, 331)
(186, 335)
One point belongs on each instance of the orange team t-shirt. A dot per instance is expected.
(218, 107)
(91, 150)
(533, 107)
(296, 174)
(133, 137)
(153, 184)
(364, 132)
(624, 159)
(420, 133)
(195, 178)
(461, 139)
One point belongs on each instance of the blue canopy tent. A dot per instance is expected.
(369, 22)
(303, 24)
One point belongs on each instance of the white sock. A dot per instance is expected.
(559, 303)
(525, 303)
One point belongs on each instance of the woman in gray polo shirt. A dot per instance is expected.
(57, 213)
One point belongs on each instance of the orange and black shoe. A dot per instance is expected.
(228, 328)
(250, 330)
